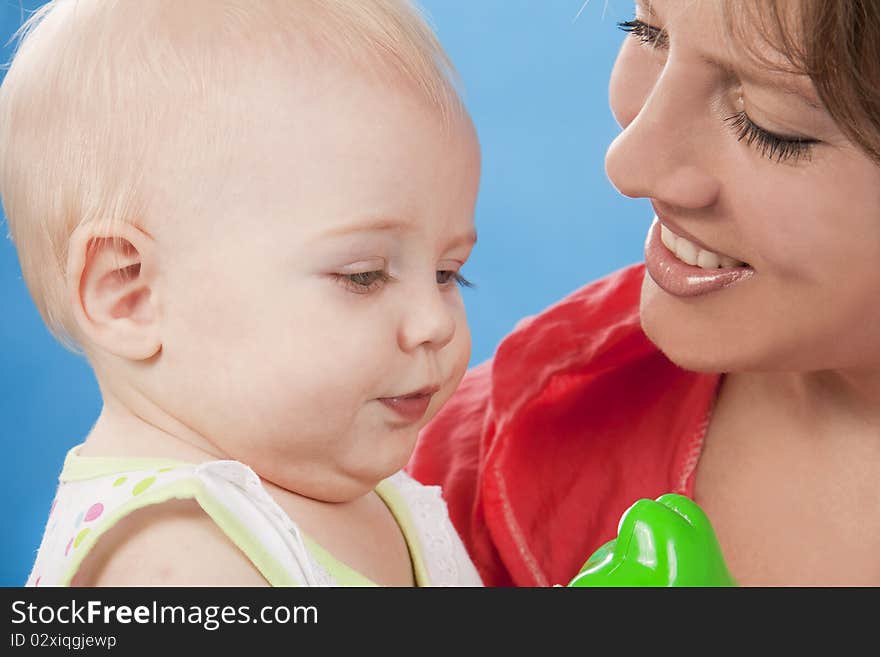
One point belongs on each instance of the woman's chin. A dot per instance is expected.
(690, 333)
(689, 344)
(707, 359)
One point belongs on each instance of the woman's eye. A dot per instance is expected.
(647, 34)
(444, 277)
(770, 145)
(363, 282)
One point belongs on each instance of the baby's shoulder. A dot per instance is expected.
(174, 543)
(147, 523)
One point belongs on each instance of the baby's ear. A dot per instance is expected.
(111, 286)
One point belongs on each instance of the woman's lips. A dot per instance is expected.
(411, 407)
(681, 279)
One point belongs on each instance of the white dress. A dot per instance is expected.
(94, 493)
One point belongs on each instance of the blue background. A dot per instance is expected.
(535, 77)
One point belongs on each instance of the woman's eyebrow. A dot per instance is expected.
(789, 90)
(750, 74)
(773, 82)
(646, 6)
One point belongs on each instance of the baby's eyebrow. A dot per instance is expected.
(467, 239)
(390, 225)
(377, 225)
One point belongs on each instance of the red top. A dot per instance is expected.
(577, 416)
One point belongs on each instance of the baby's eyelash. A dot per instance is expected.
(768, 144)
(370, 281)
(363, 282)
(647, 34)
(445, 276)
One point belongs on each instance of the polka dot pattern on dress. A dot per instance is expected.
(143, 485)
(94, 511)
(79, 537)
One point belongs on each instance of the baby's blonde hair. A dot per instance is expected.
(97, 88)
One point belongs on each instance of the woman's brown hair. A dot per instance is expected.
(836, 43)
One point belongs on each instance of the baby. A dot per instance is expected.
(251, 218)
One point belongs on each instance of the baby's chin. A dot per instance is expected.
(337, 489)
(331, 482)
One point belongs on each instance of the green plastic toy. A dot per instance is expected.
(664, 542)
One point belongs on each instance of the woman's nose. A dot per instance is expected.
(665, 150)
(429, 320)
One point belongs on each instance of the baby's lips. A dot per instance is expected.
(664, 542)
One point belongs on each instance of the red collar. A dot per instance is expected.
(586, 416)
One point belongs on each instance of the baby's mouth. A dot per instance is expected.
(412, 406)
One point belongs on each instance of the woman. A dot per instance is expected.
(741, 364)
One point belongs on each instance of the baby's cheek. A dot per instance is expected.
(460, 347)
(456, 360)
(312, 380)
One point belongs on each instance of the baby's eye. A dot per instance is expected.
(363, 282)
(444, 277)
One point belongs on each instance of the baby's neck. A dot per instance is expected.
(123, 432)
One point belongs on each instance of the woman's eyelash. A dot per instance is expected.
(647, 34)
(772, 146)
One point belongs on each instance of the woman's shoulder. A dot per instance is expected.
(572, 395)
(594, 328)
(594, 334)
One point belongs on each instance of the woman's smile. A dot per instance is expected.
(684, 268)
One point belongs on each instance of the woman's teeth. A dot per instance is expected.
(688, 252)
